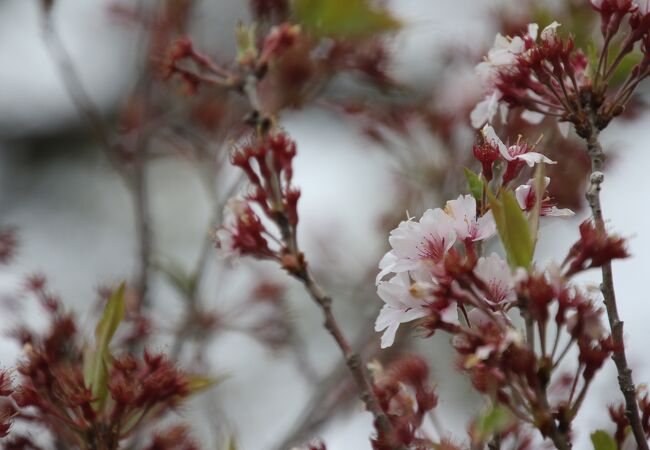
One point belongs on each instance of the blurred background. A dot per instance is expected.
(381, 121)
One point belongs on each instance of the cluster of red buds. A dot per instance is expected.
(406, 395)
(267, 162)
(194, 68)
(543, 75)
(441, 282)
(503, 361)
(621, 422)
(50, 389)
(594, 249)
(547, 76)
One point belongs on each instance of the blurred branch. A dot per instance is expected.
(84, 104)
(135, 182)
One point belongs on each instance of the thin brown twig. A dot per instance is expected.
(352, 359)
(626, 384)
(332, 394)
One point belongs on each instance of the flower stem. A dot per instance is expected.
(597, 156)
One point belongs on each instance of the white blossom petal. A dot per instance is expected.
(400, 306)
(491, 137)
(549, 33)
(532, 158)
(554, 211)
(564, 127)
(532, 117)
(487, 227)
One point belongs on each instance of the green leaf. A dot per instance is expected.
(625, 67)
(97, 359)
(343, 18)
(496, 420)
(602, 440)
(245, 37)
(592, 58)
(513, 228)
(198, 383)
(475, 184)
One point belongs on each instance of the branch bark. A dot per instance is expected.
(626, 384)
(352, 359)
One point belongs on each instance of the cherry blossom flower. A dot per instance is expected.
(418, 244)
(516, 71)
(404, 302)
(462, 212)
(526, 197)
(504, 53)
(519, 151)
(496, 275)
(549, 33)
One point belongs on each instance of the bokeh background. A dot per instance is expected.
(76, 224)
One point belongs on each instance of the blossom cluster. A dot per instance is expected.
(436, 274)
(539, 73)
(58, 388)
(418, 249)
(545, 75)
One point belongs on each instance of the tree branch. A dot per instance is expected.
(626, 384)
(352, 359)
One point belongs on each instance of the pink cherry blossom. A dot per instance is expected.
(462, 212)
(520, 152)
(504, 53)
(526, 197)
(404, 302)
(496, 275)
(418, 244)
(510, 59)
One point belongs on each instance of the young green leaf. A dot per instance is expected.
(245, 38)
(198, 383)
(625, 67)
(513, 229)
(343, 18)
(97, 359)
(475, 184)
(603, 441)
(496, 420)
